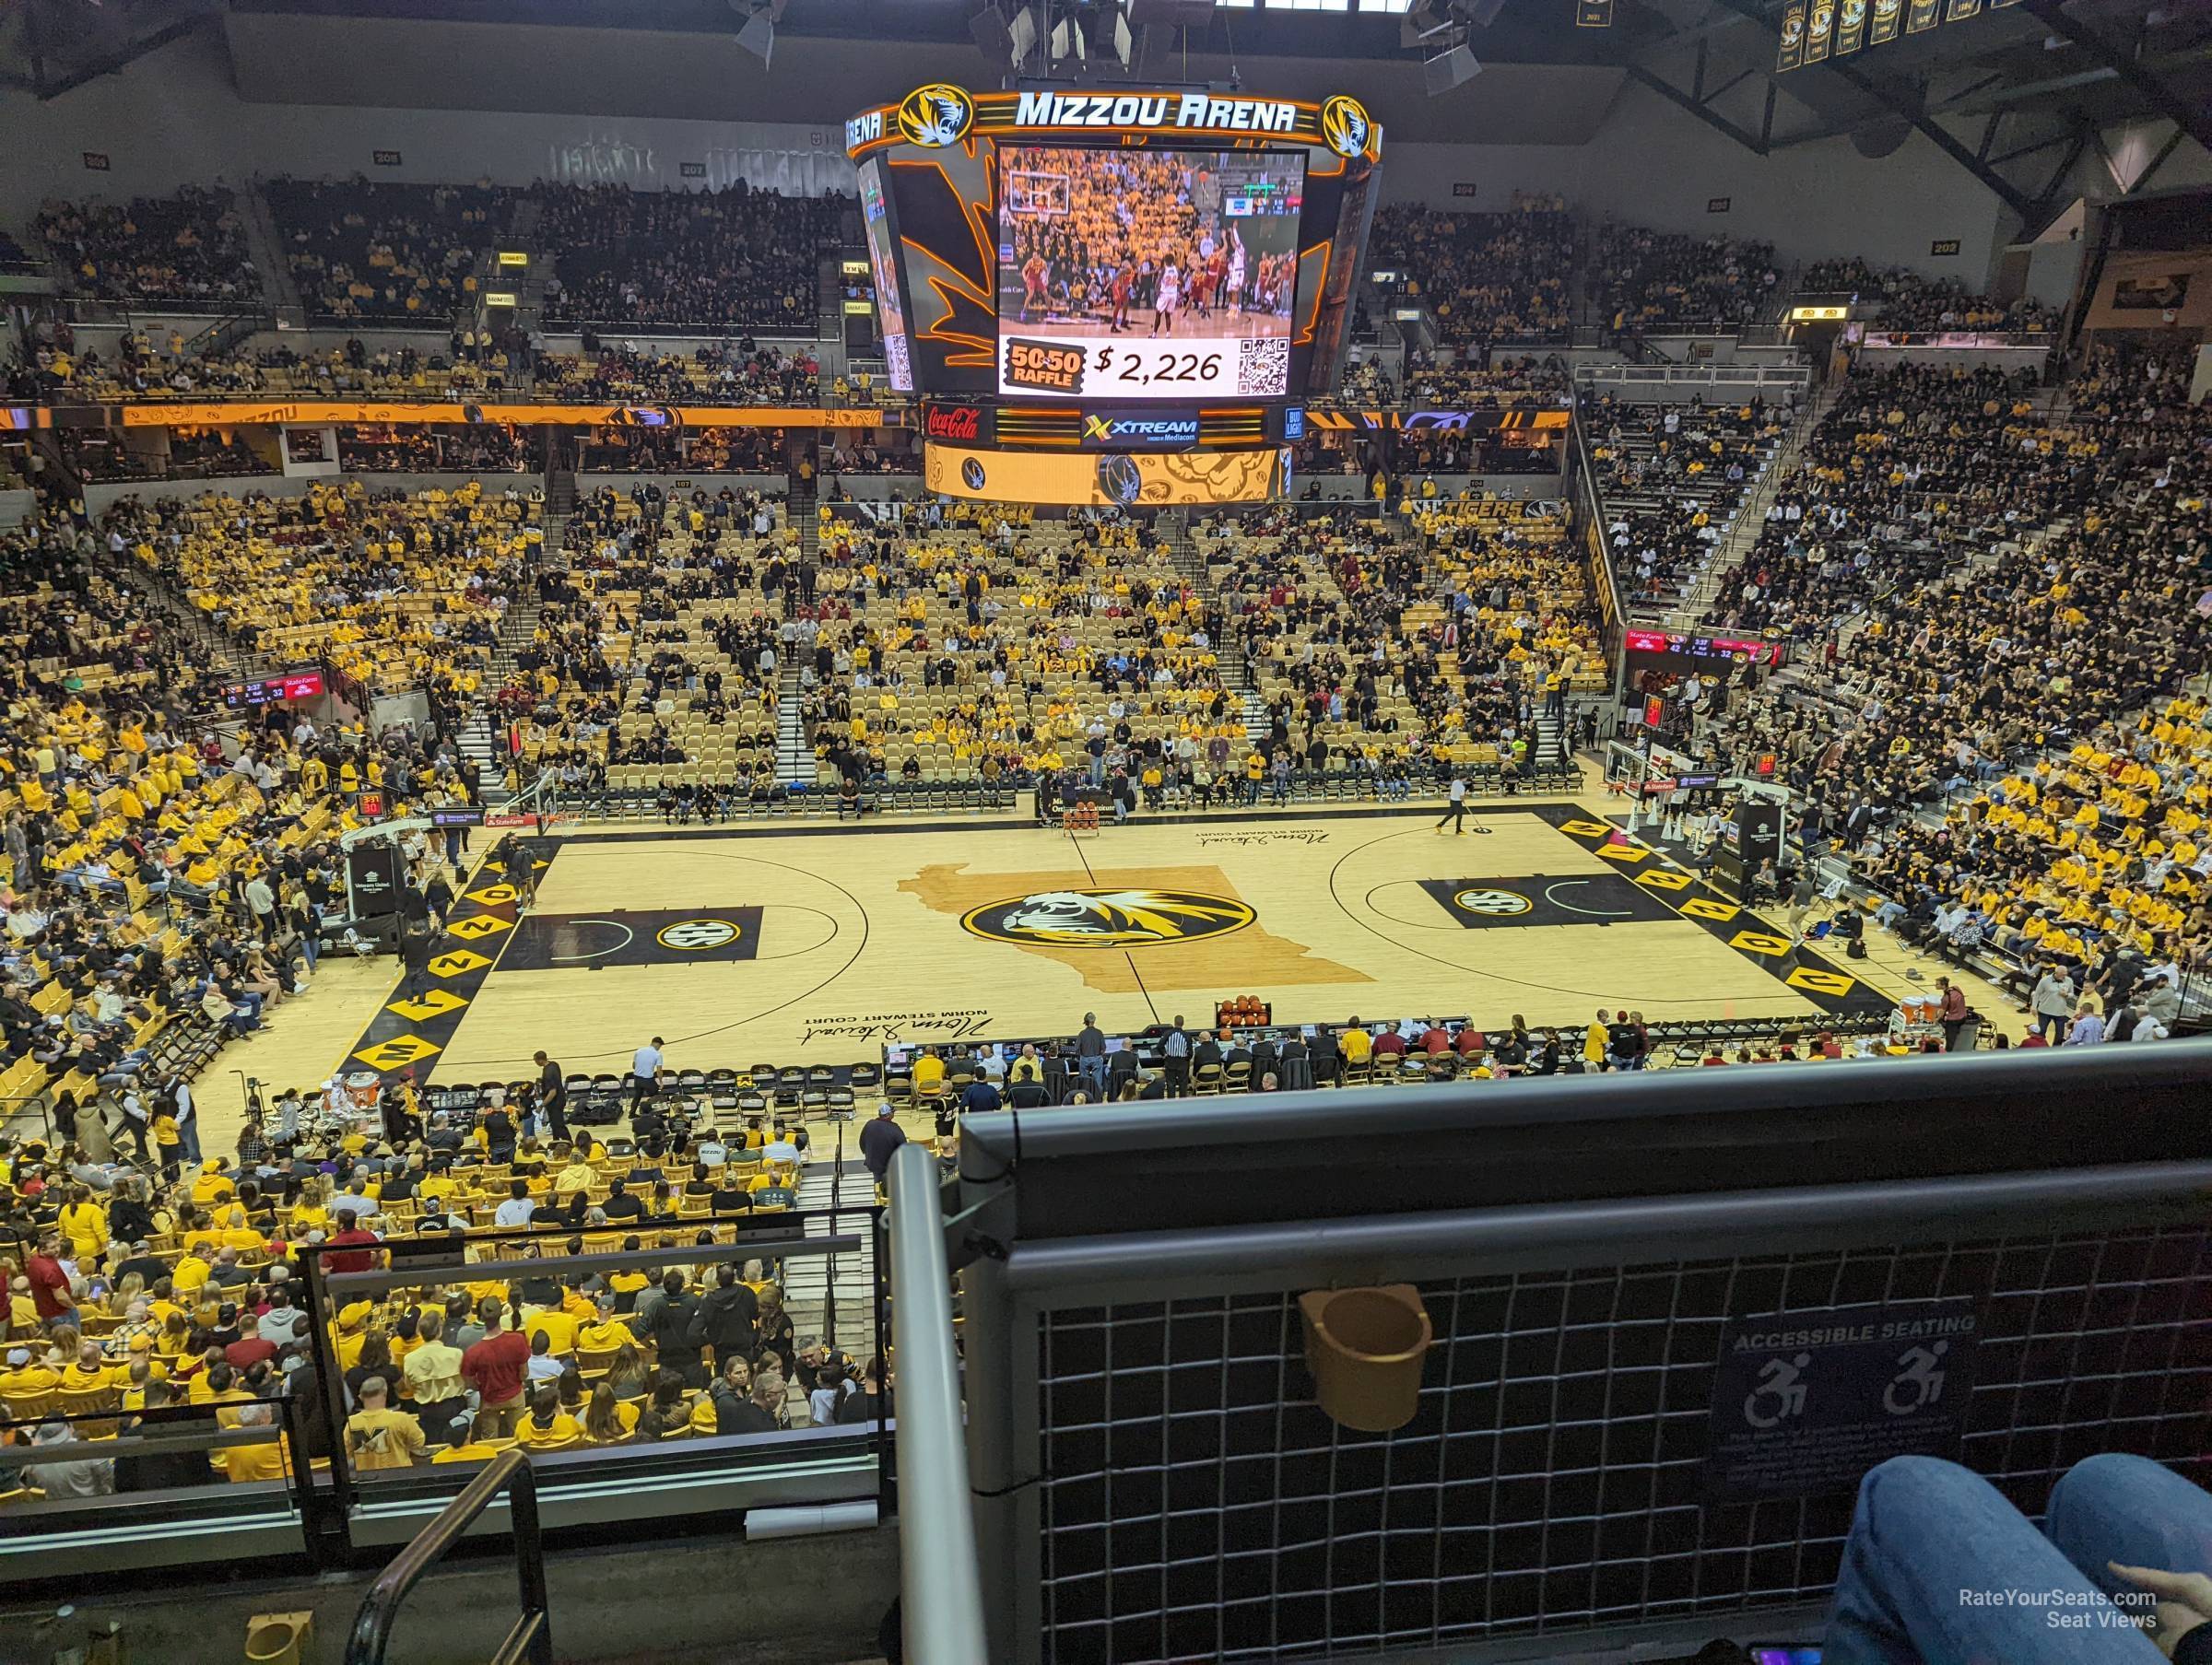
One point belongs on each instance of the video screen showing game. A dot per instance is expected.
(884, 265)
(1142, 272)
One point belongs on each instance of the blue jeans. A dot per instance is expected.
(1927, 1530)
(1093, 1071)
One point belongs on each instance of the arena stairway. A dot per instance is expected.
(807, 1280)
(1751, 513)
(1236, 671)
(795, 757)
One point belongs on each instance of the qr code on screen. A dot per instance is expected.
(1263, 366)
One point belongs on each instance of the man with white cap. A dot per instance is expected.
(880, 1139)
(60, 1476)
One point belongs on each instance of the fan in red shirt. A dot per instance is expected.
(344, 1253)
(494, 1368)
(49, 1283)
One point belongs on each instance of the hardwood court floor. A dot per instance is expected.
(741, 947)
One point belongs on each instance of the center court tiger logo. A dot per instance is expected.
(936, 115)
(1108, 919)
(1345, 126)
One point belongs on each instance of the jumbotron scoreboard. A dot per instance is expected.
(1113, 297)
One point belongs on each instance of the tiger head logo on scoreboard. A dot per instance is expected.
(936, 115)
(1345, 126)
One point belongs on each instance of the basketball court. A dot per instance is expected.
(816, 944)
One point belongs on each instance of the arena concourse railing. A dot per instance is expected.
(1155, 1476)
(940, 1592)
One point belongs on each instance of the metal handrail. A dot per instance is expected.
(530, 1638)
(940, 1583)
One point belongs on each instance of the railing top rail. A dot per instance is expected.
(426, 1271)
(380, 1608)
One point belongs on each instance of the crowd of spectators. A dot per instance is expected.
(733, 258)
(1480, 382)
(1671, 478)
(365, 250)
(165, 891)
(478, 448)
(189, 249)
(1400, 648)
(147, 367)
(396, 591)
(2006, 749)
(714, 372)
(1911, 464)
(1909, 301)
(167, 1292)
(1486, 277)
(1645, 281)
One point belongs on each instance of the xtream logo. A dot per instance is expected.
(1144, 430)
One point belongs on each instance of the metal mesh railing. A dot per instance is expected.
(1195, 1504)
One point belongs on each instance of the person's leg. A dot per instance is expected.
(1929, 1535)
(2130, 1510)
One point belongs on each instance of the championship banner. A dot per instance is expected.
(1960, 10)
(1147, 480)
(1593, 14)
(1850, 26)
(1888, 15)
(1924, 15)
(1792, 37)
(1820, 31)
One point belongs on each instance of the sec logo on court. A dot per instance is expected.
(698, 936)
(1495, 902)
(1108, 919)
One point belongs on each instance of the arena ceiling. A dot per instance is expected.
(2021, 96)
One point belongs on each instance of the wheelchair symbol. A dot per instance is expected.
(1919, 1377)
(1779, 1383)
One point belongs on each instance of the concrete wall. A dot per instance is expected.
(16, 507)
(1652, 164)
(775, 1602)
(173, 117)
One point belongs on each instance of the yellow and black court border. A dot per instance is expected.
(412, 1034)
(1773, 949)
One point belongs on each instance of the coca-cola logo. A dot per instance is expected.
(952, 421)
